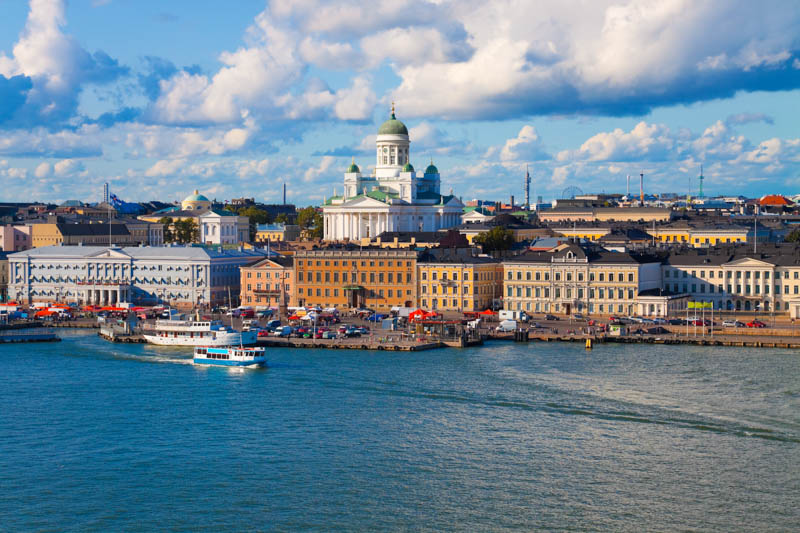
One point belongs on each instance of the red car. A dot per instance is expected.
(263, 333)
(756, 324)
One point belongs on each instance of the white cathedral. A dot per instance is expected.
(393, 198)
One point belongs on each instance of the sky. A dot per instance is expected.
(236, 98)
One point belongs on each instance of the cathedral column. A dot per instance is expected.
(370, 229)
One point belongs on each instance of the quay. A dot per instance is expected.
(363, 343)
(14, 335)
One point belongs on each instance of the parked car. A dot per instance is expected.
(659, 321)
(329, 335)
(263, 333)
(550, 317)
(756, 324)
(676, 322)
(732, 324)
(352, 332)
(273, 323)
(578, 316)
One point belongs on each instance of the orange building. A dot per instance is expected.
(268, 283)
(350, 278)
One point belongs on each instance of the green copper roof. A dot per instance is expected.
(393, 127)
(196, 198)
(382, 196)
(408, 168)
(353, 168)
(431, 169)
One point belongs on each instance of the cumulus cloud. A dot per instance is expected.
(526, 146)
(614, 59)
(652, 142)
(43, 170)
(56, 66)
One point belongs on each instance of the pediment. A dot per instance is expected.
(749, 262)
(364, 201)
(110, 254)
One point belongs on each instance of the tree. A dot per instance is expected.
(255, 216)
(794, 236)
(305, 217)
(186, 231)
(169, 236)
(496, 239)
(282, 218)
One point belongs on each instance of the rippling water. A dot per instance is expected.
(101, 437)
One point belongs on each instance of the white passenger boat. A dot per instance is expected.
(197, 333)
(229, 356)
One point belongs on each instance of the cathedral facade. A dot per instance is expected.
(393, 198)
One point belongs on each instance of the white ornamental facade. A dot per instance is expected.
(393, 198)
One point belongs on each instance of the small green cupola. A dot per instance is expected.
(353, 167)
(431, 168)
(393, 126)
(408, 168)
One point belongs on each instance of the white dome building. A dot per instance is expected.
(393, 198)
(196, 202)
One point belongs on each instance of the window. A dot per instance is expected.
(630, 276)
(424, 276)
(602, 277)
(528, 275)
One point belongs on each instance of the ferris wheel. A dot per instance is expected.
(571, 192)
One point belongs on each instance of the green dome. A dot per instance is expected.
(353, 168)
(431, 169)
(408, 168)
(196, 197)
(393, 127)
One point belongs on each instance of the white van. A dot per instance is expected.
(507, 325)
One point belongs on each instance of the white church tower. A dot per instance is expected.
(393, 198)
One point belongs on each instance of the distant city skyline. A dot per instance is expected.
(234, 100)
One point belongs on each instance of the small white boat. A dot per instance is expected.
(197, 333)
(229, 356)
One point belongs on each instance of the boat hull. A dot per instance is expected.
(258, 362)
(246, 338)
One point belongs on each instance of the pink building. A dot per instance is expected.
(15, 238)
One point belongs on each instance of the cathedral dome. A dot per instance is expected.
(353, 168)
(393, 127)
(431, 169)
(195, 201)
(408, 168)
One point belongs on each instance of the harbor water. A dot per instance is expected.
(97, 436)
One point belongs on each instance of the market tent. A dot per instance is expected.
(417, 314)
(488, 312)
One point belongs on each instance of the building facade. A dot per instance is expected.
(15, 238)
(393, 198)
(268, 283)
(463, 282)
(277, 232)
(351, 278)
(739, 278)
(580, 278)
(174, 275)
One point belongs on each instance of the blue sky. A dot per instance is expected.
(234, 98)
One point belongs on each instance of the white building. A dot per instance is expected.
(178, 275)
(220, 227)
(393, 198)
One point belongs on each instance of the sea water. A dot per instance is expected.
(506, 437)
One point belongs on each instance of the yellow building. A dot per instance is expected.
(277, 232)
(350, 278)
(588, 233)
(581, 278)
(268, 283)
(458, 281)
(705, 236)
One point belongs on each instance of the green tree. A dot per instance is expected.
(282, 218)
(794, 236)
(186, 231)
(169, 235)
(311, 222)
(496, 239)
(256, 216)
(305, 217)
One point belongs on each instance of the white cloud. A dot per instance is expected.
(165, 167)
(43, 170)
(68, 167)
(643, 142)
(526, 146)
